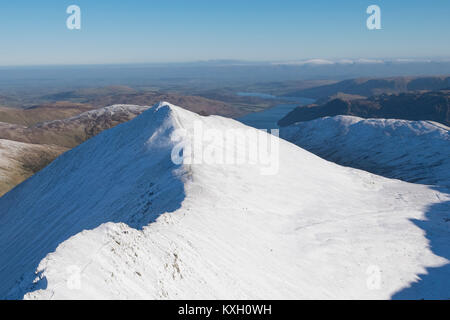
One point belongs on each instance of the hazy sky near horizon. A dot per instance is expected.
(138, 31)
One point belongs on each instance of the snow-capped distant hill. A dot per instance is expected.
(414, 151)
(72, 131)
(27, 150)
(116, 218)
(20, 160)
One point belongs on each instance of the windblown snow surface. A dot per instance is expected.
(414, 151)
(116, 218)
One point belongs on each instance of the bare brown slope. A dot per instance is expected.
(200, 105)
(19, 161)
(67, 104)
(41, 113)
(69, 133)
(102, 97)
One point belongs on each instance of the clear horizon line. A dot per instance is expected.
(248, 61)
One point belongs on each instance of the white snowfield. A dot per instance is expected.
(414, 151)
(115, 219)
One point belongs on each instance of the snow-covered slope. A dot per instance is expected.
(414, 151)
(116, 218)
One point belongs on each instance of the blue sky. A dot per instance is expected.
(135, 31)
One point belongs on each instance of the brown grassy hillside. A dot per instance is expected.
(19, 161)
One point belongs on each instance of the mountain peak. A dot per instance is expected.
(121, 218)
(162, 104)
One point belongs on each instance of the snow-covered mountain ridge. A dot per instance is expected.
(414, 151)
(116, 218)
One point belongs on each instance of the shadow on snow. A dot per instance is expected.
(435, 283)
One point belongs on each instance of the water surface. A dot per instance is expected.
(267, 119)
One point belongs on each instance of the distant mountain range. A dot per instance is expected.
(374, 86)
(433, 105)
(106, 96)
(214, 74)
(37, 108)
